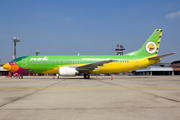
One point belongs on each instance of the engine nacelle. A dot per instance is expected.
(67, 71)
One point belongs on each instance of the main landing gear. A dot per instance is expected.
(86, 76)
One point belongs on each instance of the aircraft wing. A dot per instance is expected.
(92, 66)
(162, 56)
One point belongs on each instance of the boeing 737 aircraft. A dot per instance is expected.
(71, 65)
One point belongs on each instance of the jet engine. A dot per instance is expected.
(67, 71)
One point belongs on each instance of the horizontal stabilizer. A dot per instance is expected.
(162, 56)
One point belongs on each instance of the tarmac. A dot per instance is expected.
(76, 98)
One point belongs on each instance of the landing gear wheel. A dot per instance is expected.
(20, 77)
(86, 76)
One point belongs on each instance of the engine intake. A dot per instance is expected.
(67, 71)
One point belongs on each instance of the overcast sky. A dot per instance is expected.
(88, 27)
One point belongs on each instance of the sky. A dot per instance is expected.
(88, 27)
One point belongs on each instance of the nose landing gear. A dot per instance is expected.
(20, 77)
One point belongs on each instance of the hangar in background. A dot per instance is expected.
(155, 70)
(176, 67)
(160, 69)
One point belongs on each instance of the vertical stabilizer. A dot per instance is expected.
(151, 46)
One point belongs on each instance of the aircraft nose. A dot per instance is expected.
(7, 66)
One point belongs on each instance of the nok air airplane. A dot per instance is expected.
(71, 65)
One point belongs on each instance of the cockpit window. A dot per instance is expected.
(18, 59)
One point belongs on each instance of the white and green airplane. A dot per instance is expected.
(71, 65)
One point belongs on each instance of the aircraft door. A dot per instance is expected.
(24, 62)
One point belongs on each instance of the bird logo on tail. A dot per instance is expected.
(151, 47)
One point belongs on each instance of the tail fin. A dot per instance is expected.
(151, 46)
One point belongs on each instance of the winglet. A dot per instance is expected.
(162, 56)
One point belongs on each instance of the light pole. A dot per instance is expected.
(37, 52)
(15, 40)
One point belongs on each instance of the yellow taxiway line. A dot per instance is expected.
(89, 88)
